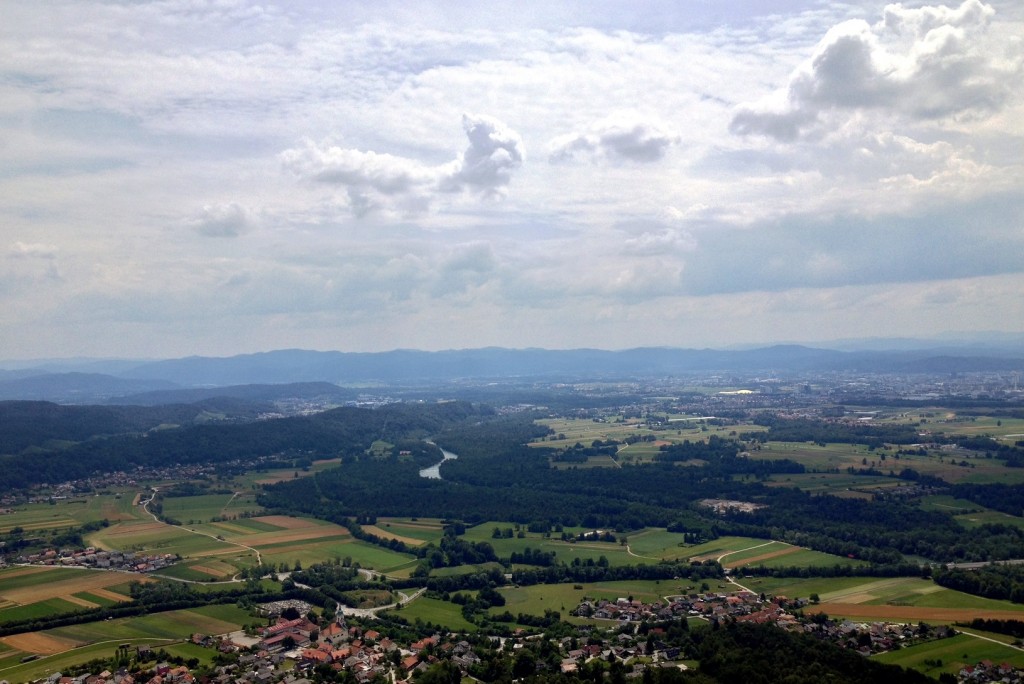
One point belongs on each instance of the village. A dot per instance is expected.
(91, 557)
(298, 646)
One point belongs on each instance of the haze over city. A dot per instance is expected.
(189, 177)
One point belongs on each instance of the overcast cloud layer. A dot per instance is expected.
(215, 177)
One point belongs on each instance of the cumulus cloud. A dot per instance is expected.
(222, 220)
(376, 181)
(925, 64)
(622, 138)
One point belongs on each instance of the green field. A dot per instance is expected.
(565, 552)
(64, 513)
(438, 612)
(200, 509)
(955, 653)
(37, 610)
(38, 591)
(912, 592)
(716, 548)
(655, 543)
(423, 529)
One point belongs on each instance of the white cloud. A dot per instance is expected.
(929, 63)
(620, 138)
(222, 220)
(379, 181)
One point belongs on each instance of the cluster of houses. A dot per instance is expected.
(747, 606)
(987, 671)
(97, 558)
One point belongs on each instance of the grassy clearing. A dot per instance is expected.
(658, 543)
(438, 612)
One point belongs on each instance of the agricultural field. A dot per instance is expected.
(968, 513)
(66, 645)
(217, 551)
(438, 612)
(615, 552)
(202, 509)
(909, 599)
(951, 655)
(37, 591)
(1001, 428)
(412, 531)
(254, 479)
(952, 466)
(64, 513)
(569, 431)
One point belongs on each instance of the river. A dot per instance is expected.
(434, 471)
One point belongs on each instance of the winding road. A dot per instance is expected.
(145, 507)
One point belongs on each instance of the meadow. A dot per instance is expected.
(436, 611)
(951, 655)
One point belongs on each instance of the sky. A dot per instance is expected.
(218, 177)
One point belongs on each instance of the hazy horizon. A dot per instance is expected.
(214, 178)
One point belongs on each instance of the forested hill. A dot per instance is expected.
(338, 432)
(43, 426)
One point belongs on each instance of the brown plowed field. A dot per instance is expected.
(36, 642)
(911, 613)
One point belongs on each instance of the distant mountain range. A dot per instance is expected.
(277, 375)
